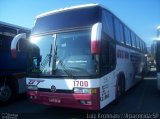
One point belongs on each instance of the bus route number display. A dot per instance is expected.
(80, 83)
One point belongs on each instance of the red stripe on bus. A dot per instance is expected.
(95, 46)
(14, 53)
(66, 100)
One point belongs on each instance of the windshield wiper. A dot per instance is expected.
(65, 68)
(56, 58)
(50, 55)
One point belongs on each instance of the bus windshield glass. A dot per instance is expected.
(63, 54)
(66, 20)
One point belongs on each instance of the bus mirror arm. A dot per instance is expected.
(96, 38)
(14, 43)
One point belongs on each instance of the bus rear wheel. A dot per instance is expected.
(120, 89)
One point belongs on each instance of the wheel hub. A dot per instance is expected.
(5, 93)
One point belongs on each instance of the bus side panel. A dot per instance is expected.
(130, 63)
(124, 65)
(107, 89)
(127, 63)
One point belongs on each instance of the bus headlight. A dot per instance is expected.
(32, 87)
(85, 90)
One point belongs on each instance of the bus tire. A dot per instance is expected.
(120, 88)
(7, 92)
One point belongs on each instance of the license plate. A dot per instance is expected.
(54, 100)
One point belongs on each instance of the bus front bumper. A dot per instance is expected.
(80, 101)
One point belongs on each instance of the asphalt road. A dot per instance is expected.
(142, 98)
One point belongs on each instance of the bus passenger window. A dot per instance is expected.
(127, 36)
(107, 21)
(133, 37)
(108, 55)
(118, 31)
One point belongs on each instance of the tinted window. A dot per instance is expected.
(141, 45)
(5, 42)
(127, 36)
(107, 22)
(118, 31)
(8, 31)
(74, 50)
(108, 55)
(138, 42)
(65, 54)
(133, 37)
(67, 19)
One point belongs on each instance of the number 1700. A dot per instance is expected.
(80, 83)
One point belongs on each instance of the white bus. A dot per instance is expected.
(82, 57)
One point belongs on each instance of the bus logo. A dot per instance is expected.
(35, 82)
(53, 88)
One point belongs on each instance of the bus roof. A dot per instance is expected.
(14, 26)
(67, 9)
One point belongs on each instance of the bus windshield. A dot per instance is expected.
(64, 54)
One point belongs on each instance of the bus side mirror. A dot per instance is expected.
(14, 43)
(96, 38)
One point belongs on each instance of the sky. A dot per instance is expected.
(142, 16)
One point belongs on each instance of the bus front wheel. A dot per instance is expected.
(5, 93)
(7, 90)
